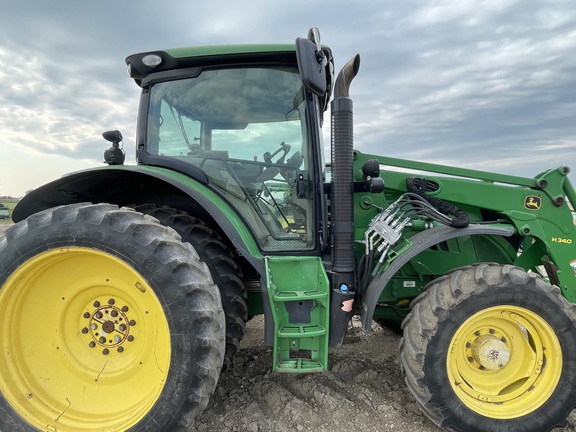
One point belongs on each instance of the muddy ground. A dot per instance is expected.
(363, 390)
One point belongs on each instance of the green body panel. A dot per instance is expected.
(299, 291)
(238, 224)
(431, 263)
(537, 208)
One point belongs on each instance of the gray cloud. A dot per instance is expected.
(486, 84)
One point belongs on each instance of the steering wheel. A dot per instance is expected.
(195, 150)
(285, 148)
(293, 163)
(270, 172)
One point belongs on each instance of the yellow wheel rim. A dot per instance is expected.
(504, 362)
(85, 342)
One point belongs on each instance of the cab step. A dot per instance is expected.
(299, 290)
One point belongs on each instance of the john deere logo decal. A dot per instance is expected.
(532, 202)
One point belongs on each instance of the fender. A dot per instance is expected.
(420, 242)
(132, 184)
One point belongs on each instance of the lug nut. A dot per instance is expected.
(105, 351)
(96, 303)
(132, 323)
(85, 330)
(86, 315)
(130, 338)
(92, 344)
(102, 339)
(120, 349)
(124, 308)
(111, 301)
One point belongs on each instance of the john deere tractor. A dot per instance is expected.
(124, 289)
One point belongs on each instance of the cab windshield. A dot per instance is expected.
(246, 129)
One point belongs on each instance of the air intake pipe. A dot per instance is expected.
(342, 204)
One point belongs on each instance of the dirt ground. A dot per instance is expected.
(363, 390)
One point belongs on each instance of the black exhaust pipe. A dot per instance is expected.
(342, 204)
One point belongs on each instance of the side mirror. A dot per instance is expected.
(314, 37)
(114, 155)
(312, 62)
(113, 136)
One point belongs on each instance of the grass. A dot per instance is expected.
(10, 203)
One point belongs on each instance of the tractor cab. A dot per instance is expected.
(245, 129)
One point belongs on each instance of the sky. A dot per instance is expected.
(481, 84)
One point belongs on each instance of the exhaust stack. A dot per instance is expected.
(342, 204)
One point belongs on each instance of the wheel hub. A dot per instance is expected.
(108, 326)
(491, 352)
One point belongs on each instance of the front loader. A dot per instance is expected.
(124, 289)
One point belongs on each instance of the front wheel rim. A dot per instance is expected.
(85, 340)
(504, 362)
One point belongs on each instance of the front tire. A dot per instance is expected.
(107, 322)
(491, 347)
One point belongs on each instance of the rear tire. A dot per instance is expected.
(222, 265)
(107, 322)
(491, 347)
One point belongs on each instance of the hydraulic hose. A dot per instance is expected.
(460, 218)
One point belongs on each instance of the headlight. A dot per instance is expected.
(152, 60)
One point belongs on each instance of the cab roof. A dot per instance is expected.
(146, 63)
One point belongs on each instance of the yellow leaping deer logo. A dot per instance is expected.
(532, 202)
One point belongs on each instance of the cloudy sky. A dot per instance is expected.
(484, 84)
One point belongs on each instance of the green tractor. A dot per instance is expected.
(125, 289)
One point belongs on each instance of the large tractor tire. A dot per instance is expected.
(491, 348)
(107, 322)
(225, 271)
